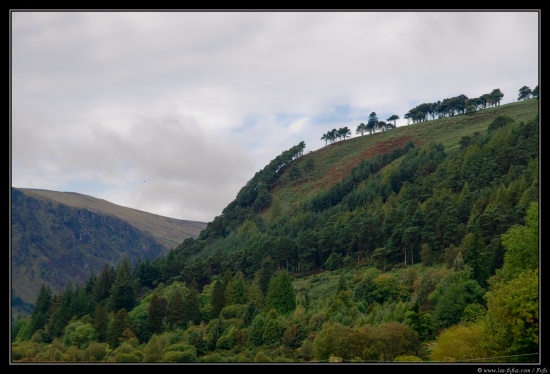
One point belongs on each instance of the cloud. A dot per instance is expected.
(195, 103)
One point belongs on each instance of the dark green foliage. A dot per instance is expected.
(61, 313)
(281, 295)
(40, 312)
(156, 313)
(175, 311)
(500, 121)
(218, 298)
(101, 322)
(117, 328)
(123, 288)
(452, 295)
(395, 339)
(101, 288)
(191, 304)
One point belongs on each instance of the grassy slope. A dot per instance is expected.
(335, 161)
(170, 232)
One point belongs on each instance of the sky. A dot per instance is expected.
(173, 112)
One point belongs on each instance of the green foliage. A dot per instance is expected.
(180, 353)
(156, 313)
(79, 334)
(500, 121)
(522, 245)
(123, 288)
(40, 312)
(281, 295)
(339, 340)
(117, 328)
(459, 343)
(96, 352)
(513, 317)
(395, 339)
(387, 287)
(409, 358)
(452, 296)
(155, 347)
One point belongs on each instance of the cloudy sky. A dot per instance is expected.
(173, 112)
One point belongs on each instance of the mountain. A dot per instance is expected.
(62, 237)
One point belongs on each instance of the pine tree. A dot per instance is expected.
(218, 298)
(120, 323)
(175, 309)
(281, 295)
(156, 313)
(101, 321)
(192, 312)
(122, 290)
(39, 315)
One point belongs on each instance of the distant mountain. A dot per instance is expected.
(62, 237)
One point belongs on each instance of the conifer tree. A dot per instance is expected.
(175, 309)
(122, 290)
(218, 298)
(156, 313)
(120, 323)
(39, 315)
(101, 321)
(192, 312)
(281, 296)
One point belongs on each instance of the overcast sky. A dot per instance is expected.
(173, 112)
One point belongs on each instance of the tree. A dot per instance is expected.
(281, 296)
(496, 96)
(218, 298)
(500, 121)
(294, 174)
(101, 321)
(39, 315)
(535, 92)
(396, 339)
(79, 334)
(101, 289)
(122, 291)
(393, 118)
(175, 309)
(361, 129)
(156, 313)
(522, 245)
(452, 295)
(344, 132)
(371, 124)
(62, 313)
(341, 341)
(325, 137)
(513, 318)
(524, 93)
(458, 343)
(120, 323)
(192, 312)
(309, 165)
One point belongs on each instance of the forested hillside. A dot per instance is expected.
(419, 243)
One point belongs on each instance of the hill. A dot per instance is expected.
(62, 237)
(419, 243)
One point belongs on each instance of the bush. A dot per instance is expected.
(178, 356)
